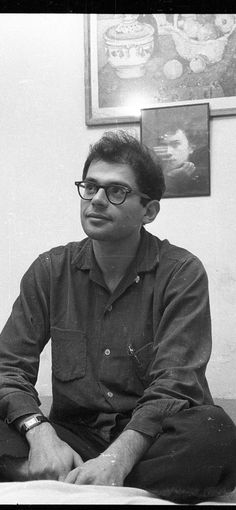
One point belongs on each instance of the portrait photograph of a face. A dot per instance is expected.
(179, 136)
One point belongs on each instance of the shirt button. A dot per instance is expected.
(110, 394)
(137, 279)
(107, 352)
(109, 309)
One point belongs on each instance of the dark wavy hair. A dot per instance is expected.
(120, 147)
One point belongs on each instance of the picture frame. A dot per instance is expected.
(180, 137)
(162, 66)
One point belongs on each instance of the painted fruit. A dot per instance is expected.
(224, 22)
(173, 69)
(198, 64)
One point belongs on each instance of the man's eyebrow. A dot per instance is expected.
(111, 183)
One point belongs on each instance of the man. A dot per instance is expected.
(129, 319)
(185, 166)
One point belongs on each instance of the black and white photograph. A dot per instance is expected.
(179, 136)
(118, 248)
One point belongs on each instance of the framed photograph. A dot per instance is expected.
(179, 135)
(135, 61)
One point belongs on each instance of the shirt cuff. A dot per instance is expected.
(148, 419)
(145, 422)
(19, 404)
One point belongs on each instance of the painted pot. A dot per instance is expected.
(129, 46)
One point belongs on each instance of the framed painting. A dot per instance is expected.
(135, 61)
(179, 135)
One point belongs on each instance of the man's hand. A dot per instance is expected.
(50, 458)
(113, 465)
(103, 470)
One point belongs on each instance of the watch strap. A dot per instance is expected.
(32, 422)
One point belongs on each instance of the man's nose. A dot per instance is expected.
(169, 149)
(100, 197)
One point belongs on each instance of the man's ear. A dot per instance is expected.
(152, 210)
(192, 148)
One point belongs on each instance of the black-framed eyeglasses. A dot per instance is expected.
(115, 193)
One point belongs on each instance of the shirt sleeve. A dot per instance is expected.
(21, 342)
(182, 348)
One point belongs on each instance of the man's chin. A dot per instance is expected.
(170, 166)
(97, 234)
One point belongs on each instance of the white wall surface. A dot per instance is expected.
(43, 144)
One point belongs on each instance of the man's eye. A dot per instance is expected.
(90, 187)
(116, 190)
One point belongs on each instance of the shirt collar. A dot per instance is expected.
(147, 256)
(84, 258)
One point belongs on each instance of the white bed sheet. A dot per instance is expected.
(48, 492)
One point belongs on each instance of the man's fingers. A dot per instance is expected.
(72, 476)
(77, 460)
(62, 478)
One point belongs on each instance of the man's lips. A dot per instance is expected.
(97, 216)
(167, 157)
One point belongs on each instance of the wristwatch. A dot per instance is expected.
(32, 422)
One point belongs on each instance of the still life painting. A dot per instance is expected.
(136, 61)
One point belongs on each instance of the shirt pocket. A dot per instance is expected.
(68, 353)
(142, 359)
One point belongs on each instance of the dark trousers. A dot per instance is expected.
(192, 460)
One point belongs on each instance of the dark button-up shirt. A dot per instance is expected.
(133, 356)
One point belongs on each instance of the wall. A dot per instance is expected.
(44, 142)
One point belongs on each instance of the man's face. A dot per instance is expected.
(104, 221)
(175, 150)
